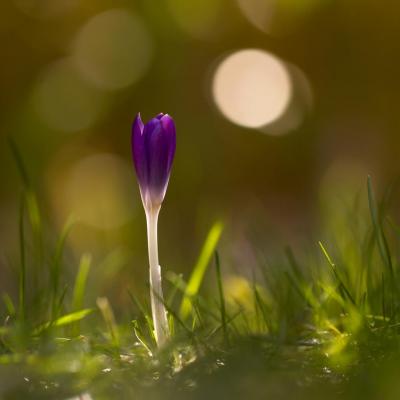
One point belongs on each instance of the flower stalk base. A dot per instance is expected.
(161, 329)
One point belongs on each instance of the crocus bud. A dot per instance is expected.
(153, 149)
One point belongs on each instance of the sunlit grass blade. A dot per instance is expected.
(81, 281)
(80, 287)
(199, 301)
(72, 317)
(221, 297)
(342, 286)
(200, 268)
(64, 320)
(109, 319)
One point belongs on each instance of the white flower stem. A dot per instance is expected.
(161, 329)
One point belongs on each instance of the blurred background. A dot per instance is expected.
(280, 106)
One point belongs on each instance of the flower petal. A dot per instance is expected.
(169, 130)
(158, 143)
(139, 151)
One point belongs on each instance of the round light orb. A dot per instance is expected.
(299, 107)
(113, 50)
(252, 88)
(98, 191)
(63, 100)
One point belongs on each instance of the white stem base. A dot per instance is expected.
(159, 314)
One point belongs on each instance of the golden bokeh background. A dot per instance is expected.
(280, 105)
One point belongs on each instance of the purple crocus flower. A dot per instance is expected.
(153, 149)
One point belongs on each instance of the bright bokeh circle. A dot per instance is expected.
(63, 100)
(98, 190)
(113, 49)
(252, 88)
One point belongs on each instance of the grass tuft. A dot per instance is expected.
(320, 325)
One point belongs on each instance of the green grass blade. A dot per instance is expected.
(22, 271)
(57, 264)
(33, 212)
(342, 286)
(9, 304)
(380, 236)
(293, 263)
(81, 281)
(31, 207)
(19, 162)
(200, 268)
(146, 315)
(80, 288)
(179, 320)
(72, 317)
(327, 256)
(383, 298)
(64, 320)
(108, 316)
(35, 221)
(173, 292)
(201, 303)
(60, 302)
(221, 296)
(296, 287)
(260, 304)
(139, 335)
